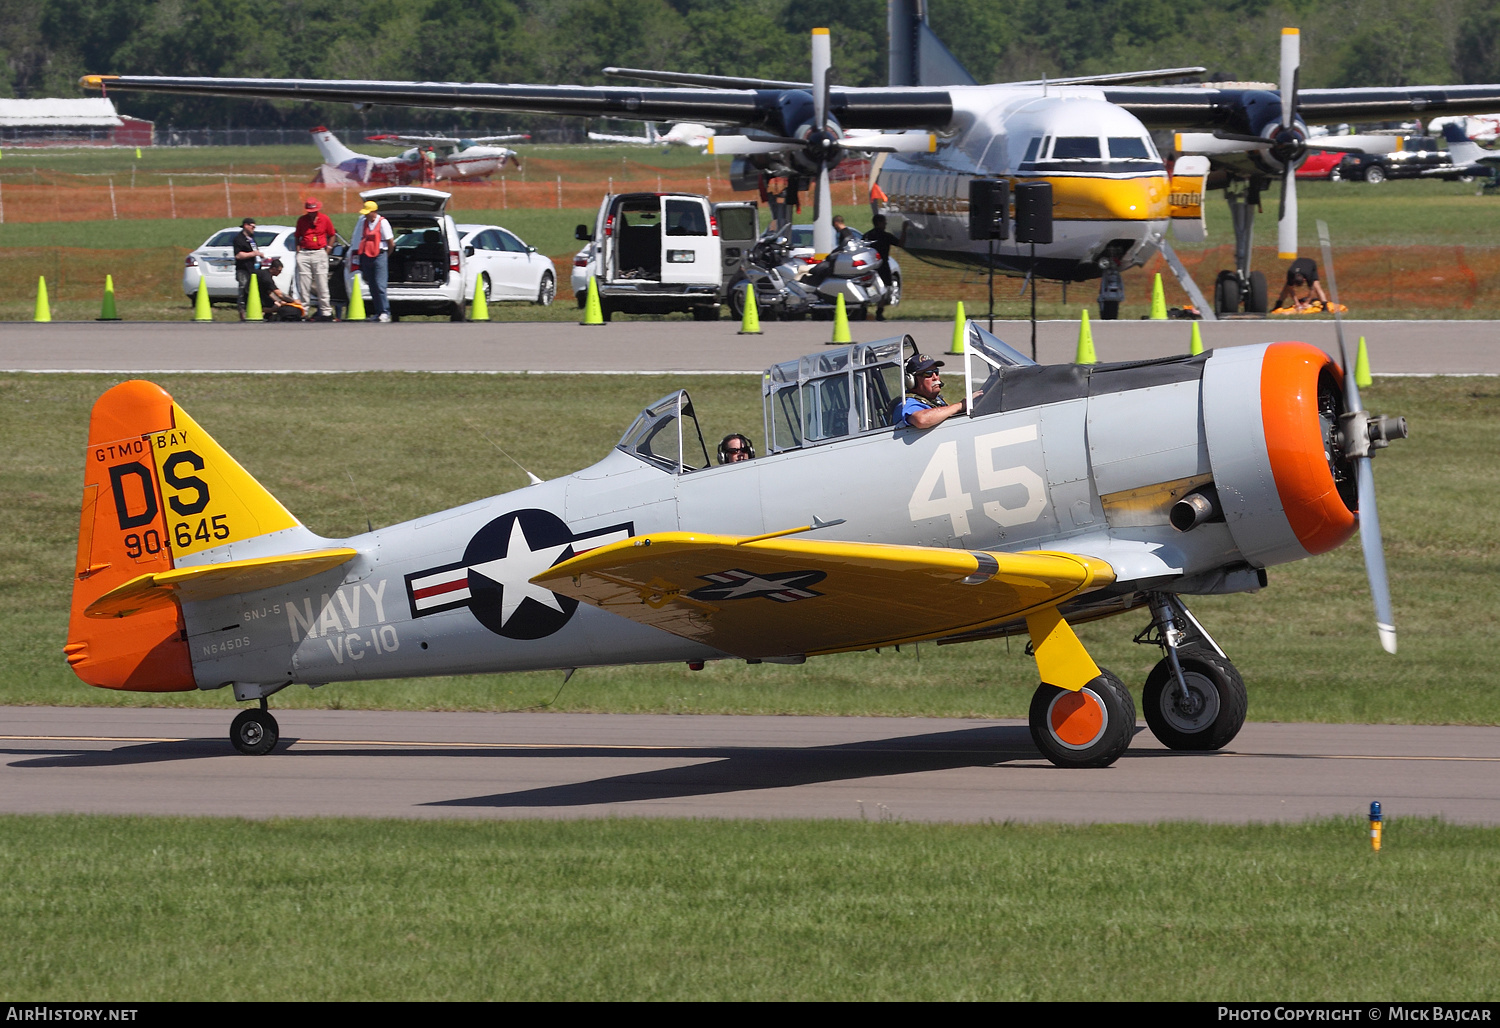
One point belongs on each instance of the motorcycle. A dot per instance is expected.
(788, 286)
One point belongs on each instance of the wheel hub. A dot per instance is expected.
(1194, 711)
(251, 733)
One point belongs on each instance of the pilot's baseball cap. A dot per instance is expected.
(313, 205)
(921, 363)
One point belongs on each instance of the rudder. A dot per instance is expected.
(158, 491)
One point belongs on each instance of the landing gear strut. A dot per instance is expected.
(255, 732)
(1194, 698)
(1242, 288)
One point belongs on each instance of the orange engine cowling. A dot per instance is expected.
(1270, 415)
(122, 533)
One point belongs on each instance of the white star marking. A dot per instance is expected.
(752, 586)
(514, 571)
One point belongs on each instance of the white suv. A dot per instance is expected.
(427, 269)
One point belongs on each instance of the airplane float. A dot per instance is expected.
(1060, 494)
(1088, 136)
(460, 159)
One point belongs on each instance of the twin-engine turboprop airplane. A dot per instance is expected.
(1061, 494)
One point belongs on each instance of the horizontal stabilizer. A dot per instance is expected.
(759, 597)
(210, 581)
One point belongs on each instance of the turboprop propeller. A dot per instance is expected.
(1282, 139)
(1359, 434)
(819, 143)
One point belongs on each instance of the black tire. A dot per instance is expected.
(606, 313)
(1226, 293)
(1375, 174)
(1109, 310)
(858, 313)
(546, 290)
(1094, 733)
(1257, 303)
(706, 313)
(458, 312)
(254, 732)
(737, 304)
(1215, 711)
(489, 292)
(1334, 175)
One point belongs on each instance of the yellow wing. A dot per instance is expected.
(210, 581)
(759, 597)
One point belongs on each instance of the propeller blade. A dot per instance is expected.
(750, 145)
(1369, 517)
(892, 142)
(1291, 58)
(1370, 542)
(822, 58)
(823, 235)
(1286, 224)
(1212, 143)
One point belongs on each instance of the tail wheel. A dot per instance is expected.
(254, 732)
(1088, 728)
(547, 290)
(1212, 712)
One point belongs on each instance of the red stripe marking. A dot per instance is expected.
(442, 587)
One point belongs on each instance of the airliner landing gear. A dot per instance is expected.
(255, 732)
(1087, 728)
(1194, 698)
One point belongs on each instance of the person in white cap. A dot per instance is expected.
(372, 254)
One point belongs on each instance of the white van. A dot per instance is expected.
(427, 267)
(655, 253)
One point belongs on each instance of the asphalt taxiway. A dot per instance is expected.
(631, 346)
(545, 765)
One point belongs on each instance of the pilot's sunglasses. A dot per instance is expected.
(735, 449)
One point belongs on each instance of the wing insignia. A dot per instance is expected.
(754, 597)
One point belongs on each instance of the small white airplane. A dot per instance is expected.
(1056, 494)
(459, 159)
(683, 133)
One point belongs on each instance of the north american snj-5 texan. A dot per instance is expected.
(1113, 196)
(1047, 496)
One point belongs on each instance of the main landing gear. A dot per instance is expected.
(1194, 699)
(254, 732)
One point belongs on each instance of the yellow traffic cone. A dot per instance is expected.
(1362, 366)
(107, 308)
(43, 309)
(479, 308)
(1085, 353)
(750, 322)
(841, 322)
(1197, 345)
(1158, 300)
(201, 309)
(253, 309)
(593, 313)
(960, 337)
(137, 153)
(356, 311)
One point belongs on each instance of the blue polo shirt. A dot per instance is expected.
(912, 404)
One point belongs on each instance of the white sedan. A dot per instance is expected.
(213, 262)
(507, 267)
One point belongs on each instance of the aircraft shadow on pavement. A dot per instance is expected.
(153, 752)
(748, 769)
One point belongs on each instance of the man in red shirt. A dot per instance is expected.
(314, 235)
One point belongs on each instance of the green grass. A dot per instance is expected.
(147, 909)
(413, 445)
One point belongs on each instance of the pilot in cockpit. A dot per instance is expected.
(924, 406)
(734, 448)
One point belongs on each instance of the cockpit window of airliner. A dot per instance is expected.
(1031, 149)
(1072, 148)
(1128, 148)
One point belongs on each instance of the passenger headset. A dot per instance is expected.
(724, 444)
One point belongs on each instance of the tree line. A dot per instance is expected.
(45, 45)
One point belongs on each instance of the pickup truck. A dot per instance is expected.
(657, 253)
(1414, 157)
